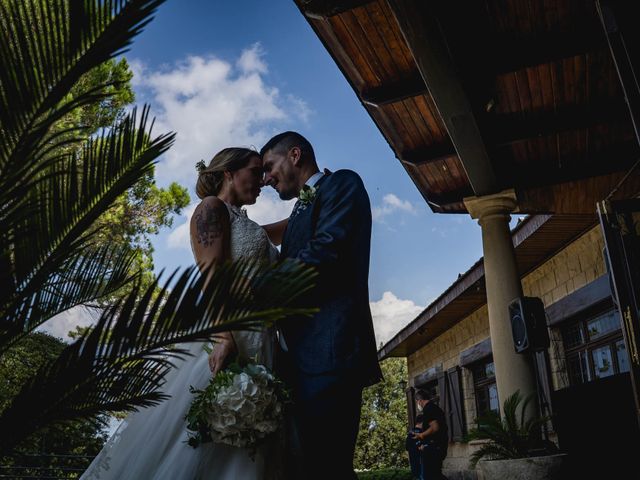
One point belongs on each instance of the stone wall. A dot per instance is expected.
(578, 264)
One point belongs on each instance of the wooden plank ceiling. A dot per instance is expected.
(477, 97)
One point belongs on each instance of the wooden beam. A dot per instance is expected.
(441, 201)
(476, 352)
(504, 129)
(577, 196)
(421, 31)
(613, 159)
(430, 154)
(323, 9)
(620, 26)
(512, 54)
(586, 297)
(412, 86)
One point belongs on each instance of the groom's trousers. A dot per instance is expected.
(326, 416)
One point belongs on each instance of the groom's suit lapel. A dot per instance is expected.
(303, 221)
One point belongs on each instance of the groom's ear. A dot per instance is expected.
(295, 154)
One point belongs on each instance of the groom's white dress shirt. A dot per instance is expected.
(313, 179)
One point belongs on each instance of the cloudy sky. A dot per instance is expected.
(236, 72)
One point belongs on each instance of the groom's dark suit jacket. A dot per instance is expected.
(333, 234)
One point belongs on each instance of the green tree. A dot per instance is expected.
(145, 208)
(55, 185)
(383, 422)
(83, 438)
(137, 215)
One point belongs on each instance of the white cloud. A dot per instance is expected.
(179, 236)
(212, 103)
(251, 60)
(391, 314)
(60, 325)
(391, 204)
(267, 209)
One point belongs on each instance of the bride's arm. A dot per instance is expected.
(275, 231)
(210, 238)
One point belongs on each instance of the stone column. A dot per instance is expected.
(513, 371)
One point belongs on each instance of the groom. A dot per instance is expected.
(327, 359)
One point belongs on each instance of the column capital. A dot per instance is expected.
(501, 203)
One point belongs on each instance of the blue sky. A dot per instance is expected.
(234, 73)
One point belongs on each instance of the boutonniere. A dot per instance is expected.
(307, 194)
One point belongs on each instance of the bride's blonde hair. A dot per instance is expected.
(211, 177)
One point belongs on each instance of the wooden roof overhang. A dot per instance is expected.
(475, 97)
(535, 240)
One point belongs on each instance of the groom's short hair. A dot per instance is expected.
(285, 141)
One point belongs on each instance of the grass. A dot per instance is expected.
(386, 474)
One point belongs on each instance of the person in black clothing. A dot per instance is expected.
(434, 440)
(411, 445)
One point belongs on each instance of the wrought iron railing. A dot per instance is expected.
(44, 466)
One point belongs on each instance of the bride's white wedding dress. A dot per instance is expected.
(152, 443)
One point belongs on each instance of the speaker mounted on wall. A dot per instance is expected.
(528, 325)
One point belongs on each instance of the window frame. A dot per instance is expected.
(483, 384)
(609, 340)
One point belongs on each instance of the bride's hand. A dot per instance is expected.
(223, 347)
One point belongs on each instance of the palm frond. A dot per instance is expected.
(121, 363)
(45, 47)
(526, 401)
(83, 277)
(490, 451)
(510, 411)
(512, 436)
(54, 220)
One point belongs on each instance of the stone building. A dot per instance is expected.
(448, 346)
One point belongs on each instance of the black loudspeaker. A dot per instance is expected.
(528, 325)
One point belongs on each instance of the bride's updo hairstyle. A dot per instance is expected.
(211, 177)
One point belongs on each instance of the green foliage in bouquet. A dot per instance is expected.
(241, 406)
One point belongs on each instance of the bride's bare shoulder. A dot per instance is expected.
(211, 211)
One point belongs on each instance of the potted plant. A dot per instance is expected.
(514, 447)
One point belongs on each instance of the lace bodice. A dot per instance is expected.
(248, 239)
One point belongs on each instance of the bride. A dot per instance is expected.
(152, 443)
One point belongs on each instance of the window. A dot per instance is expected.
(594, 347)
(485, 388)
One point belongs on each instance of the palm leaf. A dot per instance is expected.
(510, 412)
(512, 436)
(67, 205)
(121, 363)
(45, 47)
(84, 277)
(490, 451)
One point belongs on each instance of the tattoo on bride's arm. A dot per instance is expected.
(208, 226)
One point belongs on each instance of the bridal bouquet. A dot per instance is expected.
(241, 406)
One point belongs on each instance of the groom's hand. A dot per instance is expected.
(224, 346)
